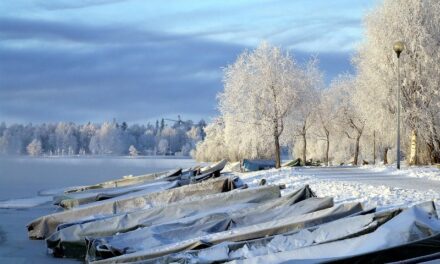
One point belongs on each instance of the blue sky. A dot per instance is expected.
(136, 61)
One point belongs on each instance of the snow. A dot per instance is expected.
(25, 202)
(410, 225)
(381, 187)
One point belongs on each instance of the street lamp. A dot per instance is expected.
(398, 47)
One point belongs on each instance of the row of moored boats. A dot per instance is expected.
(199, 215)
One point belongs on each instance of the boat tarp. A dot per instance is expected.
(292, 163)
(127, 180)
(257, 164)
(69, 241)
(46, 225)
(417, 223)
(214, 167)
(269, 228)
(351, 226)
(70, 200)
(185, 229)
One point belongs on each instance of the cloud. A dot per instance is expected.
(124, 78)
(55, 69)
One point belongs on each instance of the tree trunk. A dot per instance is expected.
(413, 152)
(356, 151)
(327, 150)
(385, 156)
(304, 154)
(277, 151)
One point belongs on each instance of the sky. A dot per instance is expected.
(138, 61)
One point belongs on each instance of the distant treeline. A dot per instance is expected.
(108, 138)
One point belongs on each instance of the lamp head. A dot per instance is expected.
(398, 47)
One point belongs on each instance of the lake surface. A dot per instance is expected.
(24, 177)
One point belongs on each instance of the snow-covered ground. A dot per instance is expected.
(381, 186)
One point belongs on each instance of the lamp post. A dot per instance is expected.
(398, 47)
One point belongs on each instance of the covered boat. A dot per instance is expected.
(69, 240)
(126, 181)
(245, 233)
(138, 183)
(185, 229)
(46, 225)
(257, 164)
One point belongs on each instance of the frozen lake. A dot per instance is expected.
(24, 177)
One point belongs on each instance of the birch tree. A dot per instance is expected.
(260, 89)
(303, 116)
(326, 115)
(350, 119)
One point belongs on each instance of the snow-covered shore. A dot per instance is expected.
(376, 186)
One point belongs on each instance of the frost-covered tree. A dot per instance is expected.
(326, 116)
(66, 139)
(13, 140)
(34, 148)
(213, 147)
(133, 151)
(260, 91)
(417, 24)
(351, 122)
(163, 146)
(111, 139)
(304, 114)
(108, 138)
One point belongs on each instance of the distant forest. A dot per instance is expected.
(109, 138)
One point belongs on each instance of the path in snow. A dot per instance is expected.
(375, 176)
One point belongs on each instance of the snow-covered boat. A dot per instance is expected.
(46, 225)
(70, 240)
(410, 234)
(257, 164)
(153, 182)
(196, 228)
(126, 181)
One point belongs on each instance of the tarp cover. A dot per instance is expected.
(245, 233)
(71, 200)
(343, 228)
(46, 225)
(214, 167)
(416, 223)
(127, 180)
(69, 241)
(197, 226)
(257, 164)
